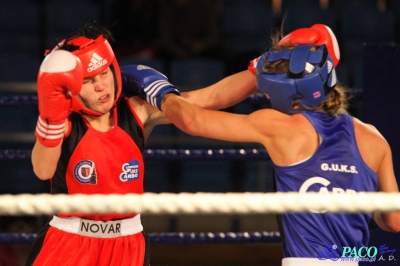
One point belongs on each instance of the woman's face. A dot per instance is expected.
(98, 91)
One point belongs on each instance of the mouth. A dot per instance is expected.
(104, 98)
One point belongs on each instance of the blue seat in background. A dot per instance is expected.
(394, 7)
(341, 5)
(65, 17)
(187, 176)
(246, 26)
(205, 176)
(188, 73)
(20, 119)
(19, 62)
(342, 72)
(17, 177)
(156, 63)
(360, 27)
(306, 16)
(20, 26)
(369, 25)
(363, 26)
(19, 15)
(259, 176)
(299, 3)
(156, 176)
(19, 66)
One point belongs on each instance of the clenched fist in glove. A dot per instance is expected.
(60, 73)
(150, 84)
(318, 34)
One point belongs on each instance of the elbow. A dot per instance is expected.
(191, 127)
(43, 174)
(391, 222)
(183, 115)
(391, 229)
(188, 130)
(394, 226)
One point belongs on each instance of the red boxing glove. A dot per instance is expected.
(60, 73)
(318, 34)
(253, 65)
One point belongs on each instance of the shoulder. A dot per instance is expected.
(368, 132)
(148, 114)
(278, 125)
(279, 121)
(372, 145)
(288, 138)
(274, 116)
(137, 103)
(141, 108)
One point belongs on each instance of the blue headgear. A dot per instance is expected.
(307, 88)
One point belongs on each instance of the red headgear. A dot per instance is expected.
(96, 55)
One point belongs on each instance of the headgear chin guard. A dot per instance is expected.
(311, 78)
(96, 56)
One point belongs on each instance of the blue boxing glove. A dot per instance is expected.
(130, 85)
(146, 82)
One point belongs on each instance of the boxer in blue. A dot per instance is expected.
(314, 144)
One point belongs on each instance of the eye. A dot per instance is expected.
(85, 81)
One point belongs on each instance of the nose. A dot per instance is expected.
(98, 86)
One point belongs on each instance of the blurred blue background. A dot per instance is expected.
(224, 35)
(195, 43)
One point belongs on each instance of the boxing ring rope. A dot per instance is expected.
(195, 203)
(175, 238)
(168, 154)
(199, 203)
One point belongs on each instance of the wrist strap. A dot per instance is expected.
(156, 91)
(253, 65)
(49, 135)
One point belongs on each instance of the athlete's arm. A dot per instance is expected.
(45, 159)
(376, 153)
(60, 72)
(225, 93)
(388, 221)
(149, 115)
(197, 121)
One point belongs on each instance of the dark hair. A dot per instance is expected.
(90, 29)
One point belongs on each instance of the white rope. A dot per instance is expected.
(199, 203)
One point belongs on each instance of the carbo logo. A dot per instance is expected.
(323, 184)
(85, 172)
(130, 171)
(320, 185)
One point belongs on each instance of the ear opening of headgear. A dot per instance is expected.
(96, 56)
(308, 82)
